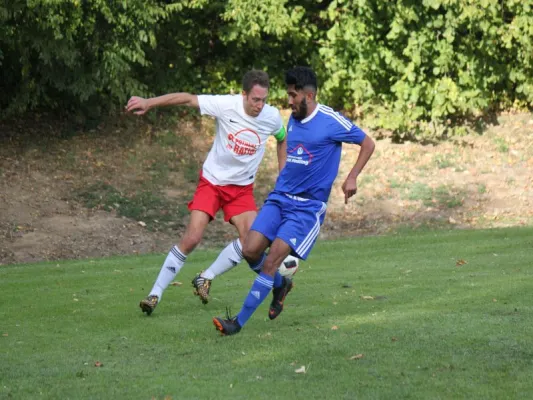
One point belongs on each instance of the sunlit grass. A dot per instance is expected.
(435, 315)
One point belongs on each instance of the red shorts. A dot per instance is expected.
(232, 199)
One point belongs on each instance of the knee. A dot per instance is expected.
(250, 253)
(189, 241)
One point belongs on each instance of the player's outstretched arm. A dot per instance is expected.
(282, 153)
(349, 187)
(140, 105)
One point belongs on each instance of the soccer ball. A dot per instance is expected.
(289, 266)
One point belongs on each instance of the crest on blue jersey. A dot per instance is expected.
(299, 155)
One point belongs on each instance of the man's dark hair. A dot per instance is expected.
(301, 77)
(255, 77)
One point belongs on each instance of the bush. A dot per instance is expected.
(419, 69)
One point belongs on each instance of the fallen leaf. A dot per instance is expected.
(143, 224)
(176, 283)
(460, 262)
(5, 334)
(452, 221)
(300, 370)
(394, 339)
(334, 327)
(367, 297)
(231, 385)
(357, 357)
(494, 300)
(98, 364)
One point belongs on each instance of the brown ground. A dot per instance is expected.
(475, 182)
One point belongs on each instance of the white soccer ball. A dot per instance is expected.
(289, 266)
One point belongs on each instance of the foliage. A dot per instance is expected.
(417, 69)
(61, 55)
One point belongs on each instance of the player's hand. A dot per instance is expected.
(349, 187)
(137, 103)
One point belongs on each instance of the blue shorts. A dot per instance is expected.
(294, 220)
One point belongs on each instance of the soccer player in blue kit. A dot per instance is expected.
(289, 221)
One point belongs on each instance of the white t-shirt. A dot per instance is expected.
(240, 139)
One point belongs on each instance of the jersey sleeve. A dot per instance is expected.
(345, 131)
(212, 105)
(279, 132)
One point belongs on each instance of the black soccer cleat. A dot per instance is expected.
(279, 294)
(228, 326)
(149, 304)
(202, 287)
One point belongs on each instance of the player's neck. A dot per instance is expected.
(311, 108)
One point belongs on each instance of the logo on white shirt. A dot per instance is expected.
(244, 142)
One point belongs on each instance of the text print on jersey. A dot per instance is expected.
(299, 155)
(244, 142)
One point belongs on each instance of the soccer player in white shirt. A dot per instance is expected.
(244, 122)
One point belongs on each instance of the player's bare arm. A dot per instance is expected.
(349, 187)
(140, 105)
(282, 153)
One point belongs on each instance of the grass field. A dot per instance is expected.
(418, 315)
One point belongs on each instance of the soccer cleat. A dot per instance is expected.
(202, 286)
(149, 304)
(279, 294)
(228, 326)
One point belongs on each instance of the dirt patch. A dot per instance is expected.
(473, 182)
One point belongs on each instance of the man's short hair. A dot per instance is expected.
(255, 77)
(301, 77)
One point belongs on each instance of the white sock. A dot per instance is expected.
(226, 260)
(169, 270)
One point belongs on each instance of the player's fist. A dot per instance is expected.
(349, 188)
(137, 105)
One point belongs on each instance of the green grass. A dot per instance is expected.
(501, 145)
(434, 331)
(444, 196)
(443, 161)
(148, 206)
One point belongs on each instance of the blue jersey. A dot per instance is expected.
(314, 148)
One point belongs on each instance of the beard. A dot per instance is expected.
(301, 113)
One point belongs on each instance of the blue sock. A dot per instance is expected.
(259, 291)
(278, 280)
(257, 266)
